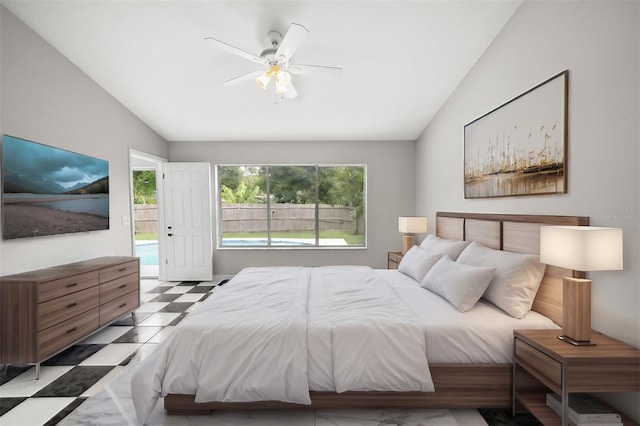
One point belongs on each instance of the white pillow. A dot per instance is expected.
(451, 248)
(462, 285)
(516, 281)
(417, 261)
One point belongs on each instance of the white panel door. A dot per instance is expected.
(188, 221)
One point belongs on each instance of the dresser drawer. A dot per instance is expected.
(117, 271)
(118, 287)
(67, 332)
(56, 288)
(118, 307)
(58, 310)
(548, 368)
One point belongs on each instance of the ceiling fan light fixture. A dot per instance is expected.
(263, 80)
(277, 60)
(281, 89)
(283, 79)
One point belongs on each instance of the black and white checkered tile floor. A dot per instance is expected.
(81, 371)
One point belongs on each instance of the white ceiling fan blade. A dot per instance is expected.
(291, 92)
(234, 50)
(315, 70)
(292, 40)
(243, 77)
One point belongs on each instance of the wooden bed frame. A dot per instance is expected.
(457, 385)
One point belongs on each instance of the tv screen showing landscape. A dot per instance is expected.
(48, 191)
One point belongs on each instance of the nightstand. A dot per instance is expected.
(542, 362)
(393, 259)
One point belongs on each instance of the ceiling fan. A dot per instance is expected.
(275, 61)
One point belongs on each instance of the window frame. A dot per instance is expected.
(268, 203)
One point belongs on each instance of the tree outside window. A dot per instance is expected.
(292, 205)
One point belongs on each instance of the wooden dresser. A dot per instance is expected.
(44, 311)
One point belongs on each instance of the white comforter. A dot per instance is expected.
(362, 336)
(261, 334)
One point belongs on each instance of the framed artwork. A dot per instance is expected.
(520, 147)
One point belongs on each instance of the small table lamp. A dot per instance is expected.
(581, 248)
(410, 226)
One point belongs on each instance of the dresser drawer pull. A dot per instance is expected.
(122, 306)
(72, 330)
(71, 305)
(72, 285)
(122, 286)
(122, 269)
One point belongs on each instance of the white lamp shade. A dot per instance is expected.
(412, 225)
(581, 248)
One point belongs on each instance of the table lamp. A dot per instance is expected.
(409, 226)
(581, 248)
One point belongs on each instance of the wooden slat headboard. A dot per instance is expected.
(518, 233)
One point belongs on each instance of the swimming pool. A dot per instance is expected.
(282, 242)
(147, 251)
(261, 242)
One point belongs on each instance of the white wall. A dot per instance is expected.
(599, 43)
(390, 193)
(45, 98)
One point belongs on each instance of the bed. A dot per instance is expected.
(456, 381)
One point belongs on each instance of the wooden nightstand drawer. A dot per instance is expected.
(549, 370)
(117, 271)
(56, 288)
(58, 310)
(607, 366)
(393, 259)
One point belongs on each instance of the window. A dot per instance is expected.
(291, 206)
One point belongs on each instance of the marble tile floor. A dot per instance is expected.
(88, 384)
(113, 406)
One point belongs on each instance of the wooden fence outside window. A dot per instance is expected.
(253, 217)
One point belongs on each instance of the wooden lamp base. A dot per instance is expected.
(576, 311)
(407, 243)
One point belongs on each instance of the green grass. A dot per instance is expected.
(351, 239)
(147, 236)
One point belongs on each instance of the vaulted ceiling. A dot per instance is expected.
(401, 60)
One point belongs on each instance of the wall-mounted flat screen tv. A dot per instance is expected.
(48, 191)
